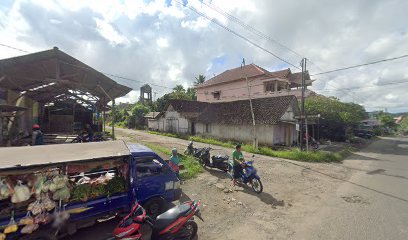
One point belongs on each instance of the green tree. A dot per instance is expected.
(138, 112)
(403, 126)
(387, 120)
(337, 117)
(199, 80)
(179, 92)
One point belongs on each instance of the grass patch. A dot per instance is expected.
(191, 166)
(293, 153)
(212, 141)
(174, 135)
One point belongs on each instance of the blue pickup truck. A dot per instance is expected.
(146, 177)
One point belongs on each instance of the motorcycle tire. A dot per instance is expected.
(256, 185)
(189, 230)
(224, 167)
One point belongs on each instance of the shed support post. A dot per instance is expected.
(112, 111)
(113, 119)
(103, 119)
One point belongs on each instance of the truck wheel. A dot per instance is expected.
(154, 207)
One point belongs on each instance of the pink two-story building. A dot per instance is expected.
(232, 85)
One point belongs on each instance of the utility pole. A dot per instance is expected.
(250, 105)
(303, 115)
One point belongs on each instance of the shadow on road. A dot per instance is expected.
(264, 197)
(218, 173)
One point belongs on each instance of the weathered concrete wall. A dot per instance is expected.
(153, 124)
(237, 90)
(173, 122)
(282, 133)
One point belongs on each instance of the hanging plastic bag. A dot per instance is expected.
(47, 203)
(38, 185)
(4, 189)
(46, 186)
(28, 229)
(61, 194)
(60, 181)
(27, 220)
(35, 207)
(21, 193)
(11, 226)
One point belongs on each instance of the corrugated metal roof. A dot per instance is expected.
(35, 74)
(11, 157)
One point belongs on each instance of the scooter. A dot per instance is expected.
(176, 223)
(249, 175)
(83, 137)
(219, 161)
(191, 150)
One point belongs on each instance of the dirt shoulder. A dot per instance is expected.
(292, 191)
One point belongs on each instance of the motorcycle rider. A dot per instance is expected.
(237, 161)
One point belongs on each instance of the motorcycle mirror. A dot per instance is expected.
(198, 214)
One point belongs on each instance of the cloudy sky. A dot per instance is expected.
(164, 42)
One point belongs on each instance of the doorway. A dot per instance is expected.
(193, 131)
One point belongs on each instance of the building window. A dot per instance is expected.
(216, 94)
(3, 94)
(207, 127)
(269, 86)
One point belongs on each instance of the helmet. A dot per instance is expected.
(36, 126)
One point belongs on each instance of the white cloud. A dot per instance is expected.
(162, 42)
(110, 33)
(150, 41)
(131, 97)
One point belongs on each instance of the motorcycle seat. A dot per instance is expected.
(220, 157)
(170, 216)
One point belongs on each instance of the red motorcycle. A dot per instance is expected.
(176, 223)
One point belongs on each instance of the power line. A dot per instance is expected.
(361, 65)
(257, 32)
(249, 27)
(237, 34)
(380, 85)
(18, 49)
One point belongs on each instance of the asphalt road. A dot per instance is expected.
(373, 203)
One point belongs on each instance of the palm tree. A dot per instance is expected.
(179, 89)
(199, 80)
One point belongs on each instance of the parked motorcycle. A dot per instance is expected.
(191, 150)
(176, 223)
(84, 138)
(218, 161)
(249, 175)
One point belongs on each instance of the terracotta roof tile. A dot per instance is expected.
(266, 111)
(235, 74)
(253, 70)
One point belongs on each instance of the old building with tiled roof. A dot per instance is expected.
(231, 85)
(274, 118)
